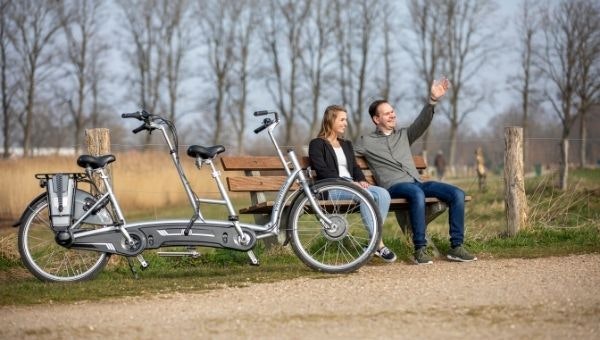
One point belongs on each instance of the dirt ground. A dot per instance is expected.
(545, 298)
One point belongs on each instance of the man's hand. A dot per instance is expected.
(439, 88)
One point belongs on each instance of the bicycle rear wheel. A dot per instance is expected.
(49, 261)
(346, 246)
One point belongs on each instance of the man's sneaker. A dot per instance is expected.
(421, 256)
(460, 254)
(386, 254)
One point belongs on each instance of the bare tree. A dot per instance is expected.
(316, 60)
(81, 23)
(175, 39)
(281, 36)
(355, 20)
(7, 83)
(97, 77)
(218, 32)
(563, 29)
(527, 26)
(243, 68)
(469, 43)
(588, 70)
(389, 29)
(426, 17)
(146, 58)
(36, 23)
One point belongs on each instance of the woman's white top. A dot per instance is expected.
(342, 163)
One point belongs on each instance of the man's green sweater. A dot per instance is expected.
(389, 156)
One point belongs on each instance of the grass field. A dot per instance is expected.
(558, 223)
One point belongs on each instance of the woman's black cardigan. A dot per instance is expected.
(324, 162)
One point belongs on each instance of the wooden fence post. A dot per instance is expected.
(98, 143)
(514, 184)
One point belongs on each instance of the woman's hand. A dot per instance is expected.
(363, 184)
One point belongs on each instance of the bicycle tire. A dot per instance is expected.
(47, 260)
(345, 248)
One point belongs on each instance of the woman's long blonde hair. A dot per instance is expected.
(329, 117)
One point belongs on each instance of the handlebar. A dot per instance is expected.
(144, 116)
(267, 121)
(139, 115)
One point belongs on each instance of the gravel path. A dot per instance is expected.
(545, 298)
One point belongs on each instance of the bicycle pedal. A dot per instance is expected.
(253, 258)
(143, 262)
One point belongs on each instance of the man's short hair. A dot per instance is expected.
(374, 105)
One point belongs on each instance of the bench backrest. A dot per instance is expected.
(265, 173)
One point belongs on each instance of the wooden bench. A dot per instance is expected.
(264, 174)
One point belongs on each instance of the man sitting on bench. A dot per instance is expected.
(387, 150)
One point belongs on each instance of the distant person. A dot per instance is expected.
(440, 165)
(387, 150)
(332, 156)
(480, 169)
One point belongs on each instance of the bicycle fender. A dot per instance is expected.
(83, 200)
(284, 217)
(33, 202)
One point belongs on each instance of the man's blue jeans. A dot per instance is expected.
(415, 193)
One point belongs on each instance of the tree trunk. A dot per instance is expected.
(564, 163)
(98, 143)
(583, 136)
(514, 183)
(452, 152)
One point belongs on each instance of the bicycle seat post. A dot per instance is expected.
(115, 204)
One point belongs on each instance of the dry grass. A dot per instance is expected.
(143, 181)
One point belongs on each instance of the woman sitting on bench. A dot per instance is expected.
(332, 156)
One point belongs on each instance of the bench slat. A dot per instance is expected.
(264, 183)
(256, 183)
(395, 204)
(264, 163)
(258, 163)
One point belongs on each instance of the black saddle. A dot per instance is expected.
(89, 161)
(209, 152)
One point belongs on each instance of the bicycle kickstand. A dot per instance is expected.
(132, 268)
(143, 264)
(253, 258)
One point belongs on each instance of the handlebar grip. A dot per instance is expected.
(139, 128)
(135, 115)
(260, 128)
(261, 113)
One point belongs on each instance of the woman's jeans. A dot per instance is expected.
(415, 193)
(382, 203)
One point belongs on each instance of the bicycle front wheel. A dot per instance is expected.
(49, 261)
(352, 238)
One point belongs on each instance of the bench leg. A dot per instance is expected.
(432, 211)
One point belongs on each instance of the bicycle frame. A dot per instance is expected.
(198, 231)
